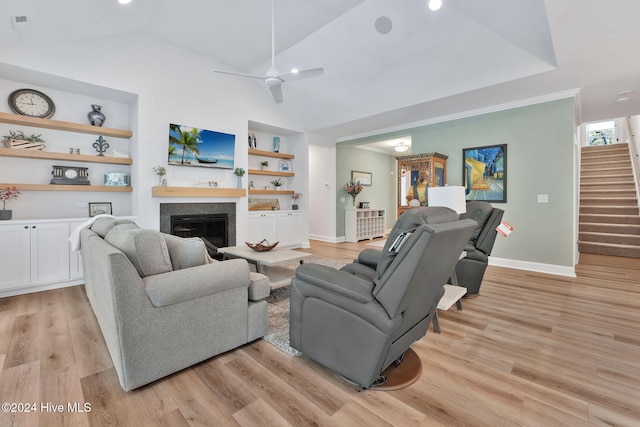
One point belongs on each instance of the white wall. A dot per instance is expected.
(321, 200)
(172, 86)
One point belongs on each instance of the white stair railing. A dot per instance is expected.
(635, 166)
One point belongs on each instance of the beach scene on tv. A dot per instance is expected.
(189, 146)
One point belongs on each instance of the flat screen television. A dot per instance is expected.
(189, 146)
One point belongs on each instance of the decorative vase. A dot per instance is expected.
(5, 214)
(294, 207)
(96, 117)
(353, 199)
(239, 181)
(276, 144)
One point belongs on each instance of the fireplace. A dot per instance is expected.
(215, 223)
(213, 228)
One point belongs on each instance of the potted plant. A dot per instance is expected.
(20, 140)
(5, 196)
(265, 165)
(278, 183)
(239, 172)
(295, 197)
(160, 171)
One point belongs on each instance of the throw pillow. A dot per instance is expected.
(103, 226)
(146, 249)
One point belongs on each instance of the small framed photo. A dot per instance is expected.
(363, 177)
(284, 166)
(116, 179)
(98, 208)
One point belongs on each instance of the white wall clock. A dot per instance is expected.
(32, 103)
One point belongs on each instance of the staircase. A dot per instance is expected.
(609, 216)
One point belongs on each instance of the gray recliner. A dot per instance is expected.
(470, 269)
(360, 319)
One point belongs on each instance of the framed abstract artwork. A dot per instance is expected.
(484, 173)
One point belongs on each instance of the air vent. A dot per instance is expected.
(19, 21)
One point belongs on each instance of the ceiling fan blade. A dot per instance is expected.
(252, 76)
(276, 92)
(304, 74)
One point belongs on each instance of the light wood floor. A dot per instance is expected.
(532, 349)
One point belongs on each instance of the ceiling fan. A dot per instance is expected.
(274, 78)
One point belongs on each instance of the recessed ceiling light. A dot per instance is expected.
(294, 71)
(623, 99)
(124, 1)
(625, 92)
(435, 4)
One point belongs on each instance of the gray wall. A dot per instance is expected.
(540, 147)
(381, 194)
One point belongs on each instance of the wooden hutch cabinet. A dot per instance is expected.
(416, 173)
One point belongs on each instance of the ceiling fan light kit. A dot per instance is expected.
(435, 5)
(274, 79)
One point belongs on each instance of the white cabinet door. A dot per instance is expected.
(262, 226)
(289, 228)
(75, 260)
(49, 253)
(14, 256)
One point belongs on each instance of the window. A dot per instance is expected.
(601, 133)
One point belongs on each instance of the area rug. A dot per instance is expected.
(278, 307)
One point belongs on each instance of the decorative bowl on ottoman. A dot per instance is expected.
(262, 246)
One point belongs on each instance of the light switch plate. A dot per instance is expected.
(543, 198)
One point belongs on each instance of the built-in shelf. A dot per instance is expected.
(262, 153)
(271, 191)
(55, 187)
(270, 173)
(49, 155)
(64, 126)
(197, 192)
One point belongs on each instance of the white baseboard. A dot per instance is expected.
(31, 289)
(559, 270)
(330, 239)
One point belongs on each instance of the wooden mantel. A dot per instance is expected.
(197, 192)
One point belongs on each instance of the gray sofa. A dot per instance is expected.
(162, 304)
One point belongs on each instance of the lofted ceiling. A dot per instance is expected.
(469, 55)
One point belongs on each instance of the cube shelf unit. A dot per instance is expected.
(363, 224)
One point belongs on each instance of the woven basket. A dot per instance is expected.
(263, 246)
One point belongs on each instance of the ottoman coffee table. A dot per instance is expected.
(267, 262)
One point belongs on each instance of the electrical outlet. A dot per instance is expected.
(342, 200)
(543, 198)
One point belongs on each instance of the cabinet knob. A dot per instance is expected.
(33, 226)
(26, 227)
